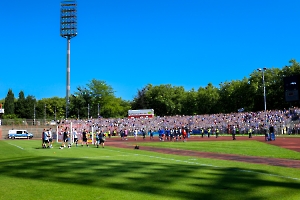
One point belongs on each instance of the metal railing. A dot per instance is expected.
(27, 122)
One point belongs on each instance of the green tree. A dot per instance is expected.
(208, 98)
(102, 95)
(159, 98)
(80, 103)
(97, 94)
(49, 108)
(9, 105)
(274, 89)
(140, 100)
(245, 94)
(190, 103)
(20, 104)
(291, 70)
(30, 102)
(178, 97)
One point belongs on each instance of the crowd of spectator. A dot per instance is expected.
(240, 123)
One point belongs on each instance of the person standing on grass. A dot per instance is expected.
(101, 138)
(84, 138)
(97, 138)
(43, 138)
(50, 138)
(46, 141)
(65, 137)
(75, 137)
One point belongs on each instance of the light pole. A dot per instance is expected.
(33, 114)
(265, 98)
(55, 113)
(88, 111)
(1, 113)
(98, 110)
(68, 30)
(45, 114)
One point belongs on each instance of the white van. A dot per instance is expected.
(19, 134)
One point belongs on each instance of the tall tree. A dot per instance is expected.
(161, 100)
(178, 96)
(30, 103)
(9, 105)
(208, 98)
(190, 103)
(20, 104)
(245, 94)
(291, 70)
(48, 108)
(102, 95)
(140, 100)
(80, 103)
(97, 97)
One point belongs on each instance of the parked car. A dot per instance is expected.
(19, 134)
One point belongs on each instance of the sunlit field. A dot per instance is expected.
(30, 172)
(247, 148)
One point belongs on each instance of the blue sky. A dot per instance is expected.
(129, 44)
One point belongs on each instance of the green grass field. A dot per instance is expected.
(246, 148)
(29, 172)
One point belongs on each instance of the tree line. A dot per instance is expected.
(231, 96)
(93, 100)
(97, 98)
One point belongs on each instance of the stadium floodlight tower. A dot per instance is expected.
(68, 29)
(1, 113)
(265, 99)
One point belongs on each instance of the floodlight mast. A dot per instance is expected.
(68, 29)
(265, 99)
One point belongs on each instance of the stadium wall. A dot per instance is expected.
(35, 130)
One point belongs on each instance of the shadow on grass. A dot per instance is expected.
(160, 179)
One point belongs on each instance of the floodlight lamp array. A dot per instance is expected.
(68, 19)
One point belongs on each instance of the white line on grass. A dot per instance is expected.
(278, 176)
(96, 157)
(213, 166)
(16, 146)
